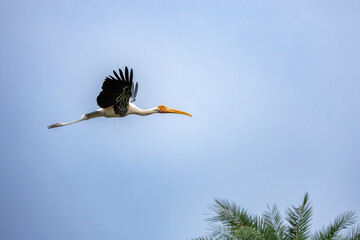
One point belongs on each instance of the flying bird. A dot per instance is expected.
(116, 100)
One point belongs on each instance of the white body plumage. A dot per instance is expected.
(132, 109)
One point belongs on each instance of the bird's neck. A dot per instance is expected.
(143, 112)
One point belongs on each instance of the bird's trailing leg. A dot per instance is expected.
(64, 124)
(84, 117)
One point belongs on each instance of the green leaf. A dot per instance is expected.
(354, 234)
(247, 233)
(299, 220)
(230, 215)
(273, 219)
(341, 222)
(221, 232)
(203, 238)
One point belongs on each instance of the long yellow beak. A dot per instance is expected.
(171, 110)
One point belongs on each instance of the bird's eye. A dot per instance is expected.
(162, 107)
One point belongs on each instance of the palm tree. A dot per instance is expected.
(231, 222)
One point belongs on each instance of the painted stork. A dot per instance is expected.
(115, 100)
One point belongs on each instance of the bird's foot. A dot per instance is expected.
(55, 125)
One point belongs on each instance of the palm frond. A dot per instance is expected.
(273, 219)
(203, 238)
(341, 222)
(266, 231)
(230, 215)
(220, 232)
(247, 233)
(299, 220)
(354, 234)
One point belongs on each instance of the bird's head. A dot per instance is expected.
(163, 109)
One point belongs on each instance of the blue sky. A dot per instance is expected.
(273, 88)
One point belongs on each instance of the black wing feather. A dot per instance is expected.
(112, 77)
(126, 74)
(116, 92)
(121, 74)
(117, 76)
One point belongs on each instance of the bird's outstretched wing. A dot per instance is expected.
(117, 91)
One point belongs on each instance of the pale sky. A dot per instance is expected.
(273, 87)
